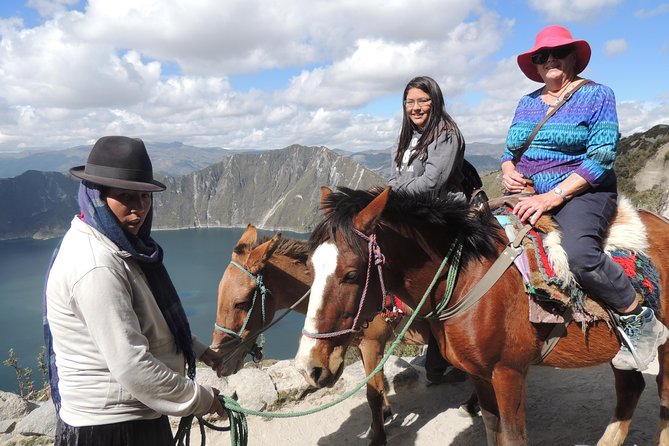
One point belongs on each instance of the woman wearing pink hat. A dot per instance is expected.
(569, 161)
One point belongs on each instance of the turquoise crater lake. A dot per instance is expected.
(195, 259)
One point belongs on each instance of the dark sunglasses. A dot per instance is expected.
(559, 52)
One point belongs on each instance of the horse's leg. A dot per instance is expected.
(511, 390)
(662, 433)
(629, 385)
(371, 352)
(489, 409)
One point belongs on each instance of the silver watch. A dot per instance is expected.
(560, 192)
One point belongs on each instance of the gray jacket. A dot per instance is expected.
(441, 171)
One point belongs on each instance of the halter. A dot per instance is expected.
(379, 260)
(256, 351)
(454, 254)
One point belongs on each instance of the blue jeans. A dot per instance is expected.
(584, 221)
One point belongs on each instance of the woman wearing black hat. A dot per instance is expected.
(569, 162)
(116, 327)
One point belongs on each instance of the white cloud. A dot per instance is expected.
(637, 116)
(662, 8)
(50, 8)
(572, 10)
(170, 71)
(616, 46)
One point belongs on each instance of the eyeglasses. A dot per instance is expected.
(559, 52)
(422, 102)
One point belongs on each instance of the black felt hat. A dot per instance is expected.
(119, 161)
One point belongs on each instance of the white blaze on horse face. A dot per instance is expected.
(324, 260)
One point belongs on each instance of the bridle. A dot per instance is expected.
(374, 250)
(236, 337)
(376, 257)
(255, 350)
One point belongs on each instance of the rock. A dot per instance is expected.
(13, 406)
(41, 421)
(254, 388)
(289, 382)
(7, 426)
(260, 387)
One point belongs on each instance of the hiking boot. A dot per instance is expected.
(645, 334)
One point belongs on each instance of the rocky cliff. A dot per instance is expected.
(277, 189)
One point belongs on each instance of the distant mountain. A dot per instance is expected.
(177, 159)
(484, 157)
(170, 159)
(643, 169)
(37, 204)
(278, 189)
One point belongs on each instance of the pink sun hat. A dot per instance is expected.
(551, 37)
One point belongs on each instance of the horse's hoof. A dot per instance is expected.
(469, 410)
(387, 412)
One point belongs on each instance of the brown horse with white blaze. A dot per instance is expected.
(493, 340)
(276, 269)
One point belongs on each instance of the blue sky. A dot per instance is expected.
(254, 74)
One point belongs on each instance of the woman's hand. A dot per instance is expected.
(211, 358)
(216, 406)
(512, 180)
(532, 207)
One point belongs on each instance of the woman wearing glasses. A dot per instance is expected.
(429, 156)
(570, 164)
(430, 152)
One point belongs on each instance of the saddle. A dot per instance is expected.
(544, 265)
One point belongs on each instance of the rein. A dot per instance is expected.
(441, 312)
(237, 414)
(255, 351)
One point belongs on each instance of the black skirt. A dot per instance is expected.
(155, 432)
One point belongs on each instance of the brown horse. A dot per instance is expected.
(282, 264)
(493, 340)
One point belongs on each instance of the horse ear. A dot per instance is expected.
(365, 220)
(246, 241)
(259, 256)
(325, 193)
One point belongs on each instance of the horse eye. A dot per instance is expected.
(243, 306)
(350, 277)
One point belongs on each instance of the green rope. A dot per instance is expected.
(456, 251)
(237, 414)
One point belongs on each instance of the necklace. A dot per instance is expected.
(557, 96)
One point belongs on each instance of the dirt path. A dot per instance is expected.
(565, 407)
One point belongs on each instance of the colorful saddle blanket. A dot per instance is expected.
(550, 293)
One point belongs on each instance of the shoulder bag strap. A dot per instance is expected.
(550, 113)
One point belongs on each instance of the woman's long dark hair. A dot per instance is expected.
(438, 121)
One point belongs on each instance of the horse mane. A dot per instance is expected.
(481, 235)
(295, 249)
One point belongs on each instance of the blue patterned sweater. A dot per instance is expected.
(580, 137)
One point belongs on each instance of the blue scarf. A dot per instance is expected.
(149, 256)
